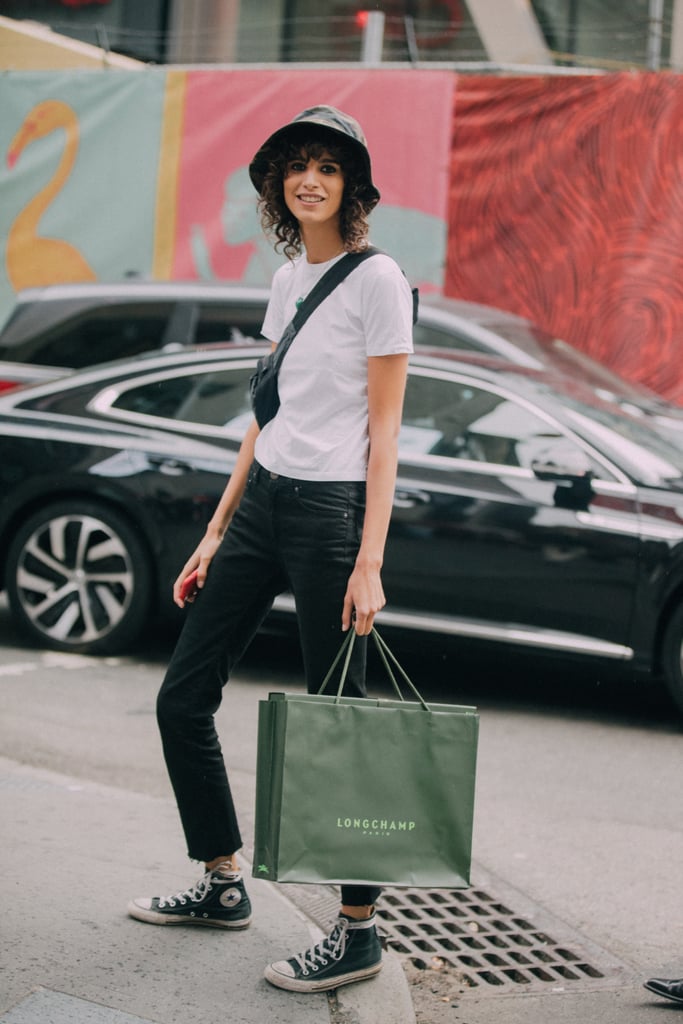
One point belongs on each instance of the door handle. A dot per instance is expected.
(410, 499)
(170, 467)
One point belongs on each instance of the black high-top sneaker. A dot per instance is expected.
(351, 952)
(218, 899)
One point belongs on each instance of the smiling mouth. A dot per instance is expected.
(310, 199)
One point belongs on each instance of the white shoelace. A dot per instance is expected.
(332, 946)
(194, 894)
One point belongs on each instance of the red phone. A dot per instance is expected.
(189, 587)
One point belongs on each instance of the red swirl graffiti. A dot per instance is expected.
(566, 206)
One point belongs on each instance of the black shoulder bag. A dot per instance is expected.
(265, 399)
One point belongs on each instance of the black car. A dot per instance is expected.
(72, 326)
(528, 511)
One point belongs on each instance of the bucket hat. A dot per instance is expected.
(328, 121)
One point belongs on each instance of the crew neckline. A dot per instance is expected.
(322, 263)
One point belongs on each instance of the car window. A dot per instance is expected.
(96, 336)
(460, 420)
(217, 399)
(434, 337)
(206, 323)
(228, 323)
(123, 330)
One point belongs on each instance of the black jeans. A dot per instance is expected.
(286, 535)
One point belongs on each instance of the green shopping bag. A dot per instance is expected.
(362, 791)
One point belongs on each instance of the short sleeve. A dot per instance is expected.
(387, 308)
(274, 320)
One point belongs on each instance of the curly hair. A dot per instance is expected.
(278, 221)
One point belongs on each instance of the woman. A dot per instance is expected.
(307, 508)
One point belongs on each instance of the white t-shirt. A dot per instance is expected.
(320, 431)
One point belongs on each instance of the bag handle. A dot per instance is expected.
(385, 654)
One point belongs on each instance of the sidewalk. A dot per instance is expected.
(72, 855)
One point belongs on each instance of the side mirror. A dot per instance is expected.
(563, 470)
(572, 474)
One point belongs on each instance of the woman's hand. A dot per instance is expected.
(200, 560)
(364, 598)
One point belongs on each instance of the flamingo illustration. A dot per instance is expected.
(31, 259)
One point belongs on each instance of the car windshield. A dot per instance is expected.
(515, 335)
(533, 340)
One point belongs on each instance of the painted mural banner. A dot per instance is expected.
(78, 182)
(226, 117)
(108, 174)
(558, 198)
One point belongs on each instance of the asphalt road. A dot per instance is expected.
(579, 797)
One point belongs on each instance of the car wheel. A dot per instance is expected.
(79, 579)
(672, 656)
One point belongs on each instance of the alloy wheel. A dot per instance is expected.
(74, 579)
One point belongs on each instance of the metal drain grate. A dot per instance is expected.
(478, 935)
(488, 944)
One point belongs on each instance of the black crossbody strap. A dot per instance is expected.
(327, 283)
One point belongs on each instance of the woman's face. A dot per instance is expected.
(313, 188)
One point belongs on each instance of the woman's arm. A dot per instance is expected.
(201, 557)
(386, 388)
